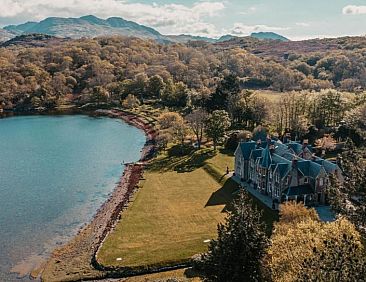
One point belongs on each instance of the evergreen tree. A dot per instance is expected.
(227, 87)
(236, 254)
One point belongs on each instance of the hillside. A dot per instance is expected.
(87, 26)
(91, 26)
(33, 40)
(269, 36)
(284, 50)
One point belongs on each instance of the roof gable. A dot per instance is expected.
(246, 149)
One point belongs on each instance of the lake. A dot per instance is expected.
(55, 172)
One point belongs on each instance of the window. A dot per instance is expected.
(306, 180)
(277, 191)
(321, 181)
(277, 177)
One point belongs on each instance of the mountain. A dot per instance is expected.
(87, 26)
(226, 37)
(92, 26)
(269, 35)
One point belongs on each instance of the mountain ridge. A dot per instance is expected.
(92, 26)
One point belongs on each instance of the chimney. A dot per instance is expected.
(259, 143)
(305, 143)
(272, 147)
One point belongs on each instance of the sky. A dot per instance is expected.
(295, 19)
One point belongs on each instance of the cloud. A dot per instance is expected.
(167, 18)
(251, 10)
(303, 24)
(240, 29)
(354, 10)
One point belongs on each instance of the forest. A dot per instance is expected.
(108, 69)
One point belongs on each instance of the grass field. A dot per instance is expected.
(177, 209)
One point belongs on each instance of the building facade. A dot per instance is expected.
(285, 171)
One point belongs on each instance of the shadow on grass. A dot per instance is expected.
(225, 151)
(228, 192)
(181, 159)
(223, 196)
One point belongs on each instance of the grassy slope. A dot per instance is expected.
(171, 216)
(177, 208)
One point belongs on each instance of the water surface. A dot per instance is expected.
(55, 172)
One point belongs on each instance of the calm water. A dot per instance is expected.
(55, 171)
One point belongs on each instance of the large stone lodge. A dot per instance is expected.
(285, 170)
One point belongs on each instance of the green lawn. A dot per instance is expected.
(177, 208)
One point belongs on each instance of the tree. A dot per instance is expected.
(326, 143)
(197, 121)
(175, 95)
(340, 259)
(305, 249)
(100, 94)
(216, 125)
(168, 120)
(130, 102)
(227, 87)
(347, 197)
(173, 124)
(155, 86)
(236, 254)
(163, 139)
(328, 109)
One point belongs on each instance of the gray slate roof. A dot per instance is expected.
(283, 156)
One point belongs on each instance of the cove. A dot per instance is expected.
(55, 172)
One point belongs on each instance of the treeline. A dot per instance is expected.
(109, 69)
(323, 118)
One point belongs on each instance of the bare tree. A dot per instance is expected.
(197, 120)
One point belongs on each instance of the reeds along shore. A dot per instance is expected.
(77, 259)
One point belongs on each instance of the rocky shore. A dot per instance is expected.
(74, 261)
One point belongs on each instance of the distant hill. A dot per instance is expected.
(87, 26)
(33, 40)
(269, 35)
(184, 38)
(226, 37)
(92, 26)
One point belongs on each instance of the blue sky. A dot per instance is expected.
(295, 19)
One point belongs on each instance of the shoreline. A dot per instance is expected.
(76, 259)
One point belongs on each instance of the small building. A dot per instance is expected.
(285, 171)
